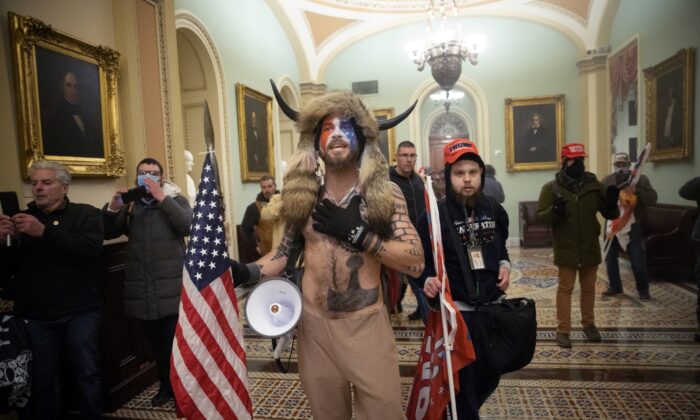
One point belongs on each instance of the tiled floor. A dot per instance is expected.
(647, 367)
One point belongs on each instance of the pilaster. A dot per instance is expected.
(595, 133)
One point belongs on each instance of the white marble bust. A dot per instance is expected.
(191, 188)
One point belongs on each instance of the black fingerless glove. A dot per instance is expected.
(244, 273)
(611, 196)
(559, 207)
(344, 224)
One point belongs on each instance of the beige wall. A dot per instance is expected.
(112, 23)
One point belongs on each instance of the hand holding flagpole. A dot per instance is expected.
(445, 308)
(614, 227)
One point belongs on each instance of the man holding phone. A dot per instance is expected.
(51, 273)
(156, 224)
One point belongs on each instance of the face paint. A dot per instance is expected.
(334, 130)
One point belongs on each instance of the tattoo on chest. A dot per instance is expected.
(354, 297)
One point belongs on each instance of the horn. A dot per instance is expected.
(288, 110)
(390, 123)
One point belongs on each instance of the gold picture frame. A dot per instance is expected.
(530, 146)
(386, 138)
(67, 107)
(254, 140)
(669, 121)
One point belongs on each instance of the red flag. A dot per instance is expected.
(208, 363)
(430, 394)
(394, 284)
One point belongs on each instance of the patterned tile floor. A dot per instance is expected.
(647, 367)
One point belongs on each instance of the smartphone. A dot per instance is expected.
(9, 202)
(134, 194)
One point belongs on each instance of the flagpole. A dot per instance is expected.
(445, 308)
(636, 173)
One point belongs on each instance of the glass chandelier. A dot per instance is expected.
(444, 47)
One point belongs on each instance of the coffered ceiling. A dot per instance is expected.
(320, 29)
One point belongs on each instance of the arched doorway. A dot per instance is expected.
(202, 79)
(445, 127)
(286, 141)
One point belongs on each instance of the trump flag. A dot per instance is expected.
(208, 364)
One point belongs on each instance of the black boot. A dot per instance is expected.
(415, 315)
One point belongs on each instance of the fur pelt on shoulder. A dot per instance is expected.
(301, 185)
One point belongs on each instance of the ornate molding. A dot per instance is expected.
(165, 86)
(593, 63)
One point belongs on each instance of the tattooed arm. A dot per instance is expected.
(273, 263)
(270, 265)
(403, 252)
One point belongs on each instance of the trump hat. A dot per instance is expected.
(573, 150)
(457, 148)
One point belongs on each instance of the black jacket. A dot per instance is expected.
(155, 254)
(55, 276)
(490, 232)
(251, 218)
(413, 191)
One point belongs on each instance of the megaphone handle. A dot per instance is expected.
(278, 362)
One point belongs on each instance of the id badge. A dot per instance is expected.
(476, 258)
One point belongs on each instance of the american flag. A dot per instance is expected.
(209, 373)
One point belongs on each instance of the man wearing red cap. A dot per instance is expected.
(570, 203)
(476, 226)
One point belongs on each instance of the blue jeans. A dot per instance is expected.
(77, 338)
(638, 260)
(420, 297)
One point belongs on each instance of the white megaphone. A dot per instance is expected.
(273, 307)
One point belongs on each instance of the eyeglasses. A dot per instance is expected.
(407, 155)
(153, 173)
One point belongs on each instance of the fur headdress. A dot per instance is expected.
(301, 185)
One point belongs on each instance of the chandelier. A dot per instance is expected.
(445, 47)
(447, 98)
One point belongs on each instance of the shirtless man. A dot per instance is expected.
(351, 226)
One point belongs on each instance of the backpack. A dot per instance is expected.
(15, 363)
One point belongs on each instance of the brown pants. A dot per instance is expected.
(567, 280)
(360, 350)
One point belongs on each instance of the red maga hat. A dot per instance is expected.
(573, 150)
(458, 147)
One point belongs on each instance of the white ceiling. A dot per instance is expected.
(320, 29)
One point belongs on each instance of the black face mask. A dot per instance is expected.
(576, 169)
(622, 171)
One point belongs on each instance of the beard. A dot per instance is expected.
(465, 201)
(340, 164)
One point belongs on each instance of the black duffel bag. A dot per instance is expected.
(507, 332)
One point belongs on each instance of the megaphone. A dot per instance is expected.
(273, 307)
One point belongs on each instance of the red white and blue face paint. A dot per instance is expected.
(337, 133)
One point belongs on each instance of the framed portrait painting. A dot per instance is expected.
(66, 100)
(534, 132)
(669, 110)
(387, 138)
(254, 133)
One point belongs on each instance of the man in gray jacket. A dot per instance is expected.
(492, 187)
(633, 198)
(156, 226)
